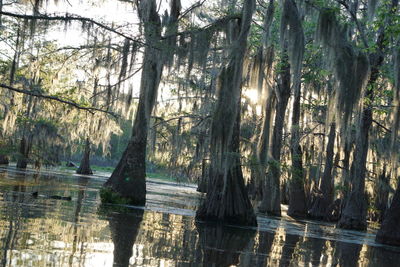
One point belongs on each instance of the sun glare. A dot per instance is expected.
(252, 95)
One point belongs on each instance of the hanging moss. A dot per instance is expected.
(292, 30)
(350, 66)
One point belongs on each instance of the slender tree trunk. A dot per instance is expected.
(324, 199)
(24, 149)
(297, 197)
(84, 167)
(271, 202)
(128, 178)
(389, 233)
(227, 199)
(262, 150)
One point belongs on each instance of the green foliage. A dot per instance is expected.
(108, 195)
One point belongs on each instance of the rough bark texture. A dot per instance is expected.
(271, 202)
(389, 233)
(84, 167)
(227, 199)
(128, 178)
(324, 197)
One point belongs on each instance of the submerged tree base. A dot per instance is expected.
(227, 204)
(4, 160)
(108, 195)
(350, 223)
(389, 233)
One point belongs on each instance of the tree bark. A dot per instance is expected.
(84, 167)
(389, 233)
(271, 201)
(24, 150)
(324, 199)
(128, 178)
(297, 197)
(227, 199)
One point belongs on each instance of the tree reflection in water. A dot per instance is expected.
(222, 245)
(124, 227)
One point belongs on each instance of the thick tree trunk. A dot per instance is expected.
(128, 178)
(389, 233)
(271, 201)
(84, 167)
(227, 199)
(324, 199)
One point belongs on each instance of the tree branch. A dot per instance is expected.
(55, 98)
(191, 8)
(69, 17)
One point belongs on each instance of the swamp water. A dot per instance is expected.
(41, 231)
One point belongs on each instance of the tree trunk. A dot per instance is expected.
(324, 199)
(23, 156)
(389, 233)
(297, 197)
(381, 196)
(4, 160)
(271, 202)
(227, 199)
(354, 215)
(84, 167)
(128, 178)
(262, 151)
(202, 184)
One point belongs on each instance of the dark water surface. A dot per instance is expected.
(40, 231)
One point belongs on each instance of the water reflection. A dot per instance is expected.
(41, 231)
(124, 227)
(222, 245)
